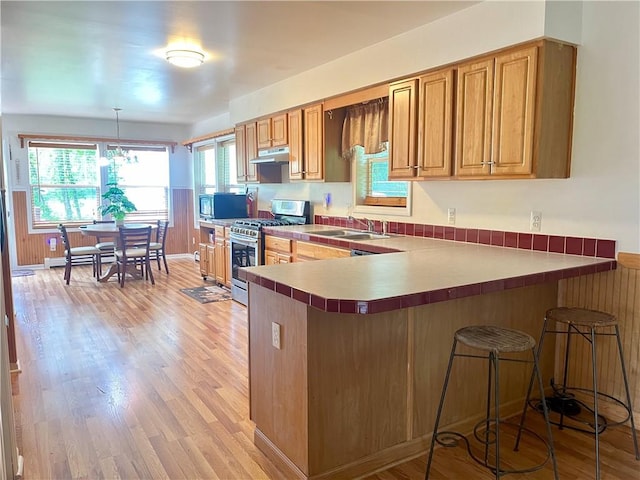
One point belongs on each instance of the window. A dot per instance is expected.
(372, 187)
(143, 175)
(365, 135)
(64, 183)
(216, 164)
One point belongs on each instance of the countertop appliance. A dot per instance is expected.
(222, 205)
(246, 238)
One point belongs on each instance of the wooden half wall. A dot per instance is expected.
(33, 248)
(616, 292)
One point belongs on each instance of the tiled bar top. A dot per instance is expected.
(421, 271)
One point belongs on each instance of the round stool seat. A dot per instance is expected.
(496, 339)
(581, 316)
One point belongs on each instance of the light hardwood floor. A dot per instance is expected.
(145, 382)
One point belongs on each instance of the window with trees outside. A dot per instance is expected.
(66, 181)
(143, 175)
(217, 166)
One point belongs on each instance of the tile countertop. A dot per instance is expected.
(421, 271)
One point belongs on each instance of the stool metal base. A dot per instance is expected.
(584, 324)
(494, 340)
(575, 413)
(487, 438)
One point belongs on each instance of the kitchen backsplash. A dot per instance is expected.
(588, 247)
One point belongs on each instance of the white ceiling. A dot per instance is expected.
(82, 58)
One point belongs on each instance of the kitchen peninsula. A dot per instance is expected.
(354, 382)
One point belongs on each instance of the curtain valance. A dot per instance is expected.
(366, 125)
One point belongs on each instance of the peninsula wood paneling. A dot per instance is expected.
(33, 248)
(616, 292)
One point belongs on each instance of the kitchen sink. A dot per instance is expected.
(332, 233)
(351, 234)
(364, 236)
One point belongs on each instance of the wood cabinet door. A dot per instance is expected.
(279, 131)
(296, 163)
(251, 152)
(474, 107)
(220, 263)
(313, 143)
(241, 154)
(227, 263)
(264, 133)
(282, 258)
(202, 249)
(403, 113)
(270, 258)
(514, 112)
(211, 261)
(435, 127)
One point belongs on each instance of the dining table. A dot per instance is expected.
(111, 230)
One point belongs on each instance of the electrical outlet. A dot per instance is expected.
(535, 222)
(275, 335)
(451, 216)
(193, 240)
(53, 243)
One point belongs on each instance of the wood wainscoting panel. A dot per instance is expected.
(180, 236)
(278, 376)
(435, 325)
(33, 248)
(357, 386)
(616, 292)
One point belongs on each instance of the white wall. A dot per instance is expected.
(601, 199)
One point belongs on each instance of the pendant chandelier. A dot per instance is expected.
(119, 153)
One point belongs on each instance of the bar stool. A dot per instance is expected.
(495, 341)
(588, 324)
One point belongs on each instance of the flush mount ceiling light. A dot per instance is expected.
(184, 58)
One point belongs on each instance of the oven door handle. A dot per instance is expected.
(249, 242)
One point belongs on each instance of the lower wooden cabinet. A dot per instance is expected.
(313, 251)
(277, 250)
(207, 261)
(215, 258)
(202, 251)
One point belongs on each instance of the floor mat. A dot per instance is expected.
(207, 294)
(22, 273)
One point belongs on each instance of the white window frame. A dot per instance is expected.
(220, 186)
(102, 148)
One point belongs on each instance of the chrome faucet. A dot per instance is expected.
(365, 221)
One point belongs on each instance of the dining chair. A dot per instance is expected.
(156, 249)
(133, 250)
(78, 255)
(107, 247)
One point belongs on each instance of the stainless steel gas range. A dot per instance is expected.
(247, 242)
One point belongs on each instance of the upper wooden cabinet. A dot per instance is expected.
(246, 150)
(296, 148)
(403, 111)
(422, 107)
(314, 145)
(273, 131)
(514, 113)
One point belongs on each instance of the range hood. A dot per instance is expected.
(272, 155)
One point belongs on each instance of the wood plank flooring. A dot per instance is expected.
(145, 382)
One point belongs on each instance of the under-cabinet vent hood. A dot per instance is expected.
(272, 155)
